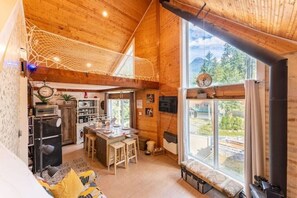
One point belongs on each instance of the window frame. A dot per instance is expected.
(124, 59)
(215, 124)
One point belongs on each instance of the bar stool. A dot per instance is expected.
(91, 145)
(134, 136)
(118, 156)
(131, 151)
(86, 141)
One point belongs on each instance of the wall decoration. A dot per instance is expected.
(149, 112)
(150, 98)
(139, 104)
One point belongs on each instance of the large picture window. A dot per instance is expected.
(225, 63)
(216, 134)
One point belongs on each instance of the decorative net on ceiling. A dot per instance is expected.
(51, 50)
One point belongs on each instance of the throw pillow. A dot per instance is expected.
(69, 187)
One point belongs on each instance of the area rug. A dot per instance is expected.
(78, 165)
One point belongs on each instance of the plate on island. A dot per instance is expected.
(125, 128)
(116, 125)
(107, 132)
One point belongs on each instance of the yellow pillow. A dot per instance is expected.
(69, 187)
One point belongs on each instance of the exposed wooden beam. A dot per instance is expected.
(114, 89)
(222, 92)
(74, 90)
(66, 76)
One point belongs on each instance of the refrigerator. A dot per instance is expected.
(51, 135)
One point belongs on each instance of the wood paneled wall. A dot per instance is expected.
(158, 39)
(148, 126)
(147, 40)
(292, 126)
(170, 59)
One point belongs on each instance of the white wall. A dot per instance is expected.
(10, 77)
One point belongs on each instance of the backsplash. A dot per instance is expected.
(10, 87)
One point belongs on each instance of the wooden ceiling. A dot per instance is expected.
(82, 19)
(274, 17)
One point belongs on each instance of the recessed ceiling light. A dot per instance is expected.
(104, 13)
(57, 59)
(89, 65)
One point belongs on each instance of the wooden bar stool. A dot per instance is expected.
(91, 145)
(117, 155)
(131, 151)
(86, 141)
(134, 136)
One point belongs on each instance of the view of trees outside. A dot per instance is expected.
(226, 65)
(120, 109)
(229, 120)
(201, 130)
(231, 137)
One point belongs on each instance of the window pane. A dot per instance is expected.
(201, 142)
(231, 137)
(126, 65)
(225, 63)
(120, 109)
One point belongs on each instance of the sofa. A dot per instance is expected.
(18, 181)
(87, 178)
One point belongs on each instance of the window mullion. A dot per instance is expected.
(216, 133)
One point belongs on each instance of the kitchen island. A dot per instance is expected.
(106, 136)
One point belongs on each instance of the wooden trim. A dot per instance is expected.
(119, 96)
(74, 90)
(66, 76)
(222, 92)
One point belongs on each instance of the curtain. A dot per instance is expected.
(181, 127)
(254, 150)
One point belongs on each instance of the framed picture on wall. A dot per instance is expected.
(150, 98)
(149, 112)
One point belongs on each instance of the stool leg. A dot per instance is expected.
(86, 144)
(93, 145)
(137, 141)
(108, 163)
(115, 161)
(125, 158)
(89, 147)
(135, 152)
(127, 154)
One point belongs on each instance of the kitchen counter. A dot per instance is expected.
(106, 136)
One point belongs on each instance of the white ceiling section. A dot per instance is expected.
(72, 86)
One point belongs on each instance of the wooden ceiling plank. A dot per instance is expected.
(83, 20)
(276, 17)
(278, 45)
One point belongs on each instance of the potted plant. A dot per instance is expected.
(201, 94)
(67, 98)
(43, 100)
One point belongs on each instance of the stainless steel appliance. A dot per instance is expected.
(46, 110)
(49, 128)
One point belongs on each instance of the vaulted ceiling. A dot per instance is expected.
(83, 20)
(274, 17)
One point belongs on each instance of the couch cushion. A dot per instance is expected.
(213, 177)
(91, 190)
(69, 187)
(87, 176)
